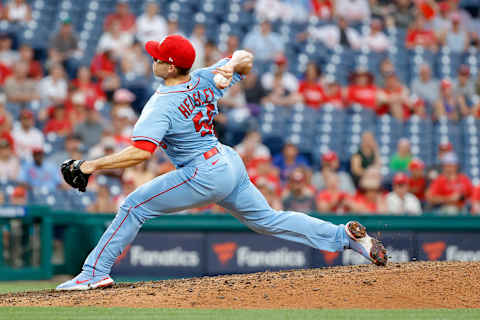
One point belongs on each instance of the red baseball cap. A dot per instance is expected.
(329, 156)
(400, 178)
(445, 83)
(19, 192)
(173, 49)
(416, 164)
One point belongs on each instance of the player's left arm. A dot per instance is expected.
(128, 157)
(241, 63)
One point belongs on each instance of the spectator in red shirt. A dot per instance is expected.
(103, 68)
(332, 92)
(417, 183)
(476, 201)
(35, 68)
(84, 83)
(418, 35)
(394, 99)
(5, 127)
(59, 123)
(451, 189)
(310, 88)
(362, 89)
(5, 72)
(123, 16)
(330, 200)
(253, 151)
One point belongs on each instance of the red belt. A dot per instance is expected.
(210, 153)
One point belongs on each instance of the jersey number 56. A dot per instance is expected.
(205, 123)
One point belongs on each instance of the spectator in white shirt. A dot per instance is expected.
(337, 34)
(400, 201)
(199, 39)
(8, 56)
(115, 40)
(53, 88)
(270, 9)
(288, 80)
(377, 40)
(9, 163)
(18, 11)
(150, 25)
(26, 136)
(353, 10)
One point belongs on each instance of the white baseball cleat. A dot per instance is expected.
(85, 282)
(361, 242)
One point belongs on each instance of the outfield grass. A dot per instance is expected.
(40, 313)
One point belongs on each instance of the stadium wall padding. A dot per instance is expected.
(207, 244)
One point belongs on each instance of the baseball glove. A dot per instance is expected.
(73, 175)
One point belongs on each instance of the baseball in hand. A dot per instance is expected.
(220, 81)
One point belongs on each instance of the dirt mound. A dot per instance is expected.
(399, 285)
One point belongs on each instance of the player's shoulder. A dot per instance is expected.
(207, 71)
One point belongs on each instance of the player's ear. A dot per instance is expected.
(172, 69)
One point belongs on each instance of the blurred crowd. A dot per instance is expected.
(54, 107)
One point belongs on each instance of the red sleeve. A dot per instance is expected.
(476, 194)
(469, 191)
(410, 38)
(145, 145)
(436, 187)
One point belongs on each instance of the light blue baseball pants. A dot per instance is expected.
(222, 179)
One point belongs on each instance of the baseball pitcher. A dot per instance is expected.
(179, 119)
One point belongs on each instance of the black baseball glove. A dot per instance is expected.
(73, 175)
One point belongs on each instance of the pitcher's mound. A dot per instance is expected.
(399, 285)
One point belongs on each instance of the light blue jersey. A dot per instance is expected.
(180, 118)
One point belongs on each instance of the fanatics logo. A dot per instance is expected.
(434, 250)
(330, 257)
(224, 251)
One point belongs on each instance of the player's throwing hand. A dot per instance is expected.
(223, 76)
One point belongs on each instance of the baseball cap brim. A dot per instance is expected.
(152, 48)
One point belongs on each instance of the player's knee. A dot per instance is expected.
(266, 224)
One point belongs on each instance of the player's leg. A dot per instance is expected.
(174, 191)
(249, 206)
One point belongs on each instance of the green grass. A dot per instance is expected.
(40, 313)
(17, 286)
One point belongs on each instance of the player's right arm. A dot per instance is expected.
(241, 63)
(147, 134)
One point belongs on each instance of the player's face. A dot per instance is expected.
(162, 69)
